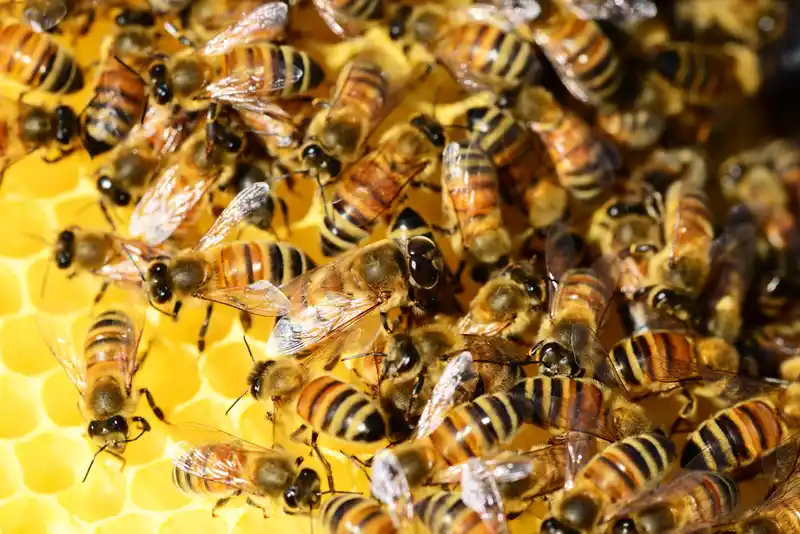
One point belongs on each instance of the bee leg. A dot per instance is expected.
(88, 21)
(176, 309)
(444, 230)
(61, 155)
(358, 463)
(142, 358)
(201, 340)
(246, 319)
(323, 460)
(685, 414)
(296, 435)
(254, 504)
(101, 293)
(285, 214)
(119, 457)
(158, 412)
(423, 184)
(416, 390)
(223, 501)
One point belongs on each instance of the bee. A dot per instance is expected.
(609, 480)
(226, 467)
(583, 56)
(405, 155)
(685, 262)
(231, 70)
(760, 178)
(754, 23)
(471, 203)
(692, 499)
(355, 514)
(120, 94)
(510, 305)
(281, 127)
(585, 165)
(626, 220)
(26, 128)
(480, 52)
(36, 61)
(636, 126)
(133, 162)
(203, 20)
(350, 17)
(706, 76)
(104, 376)
(228, 272)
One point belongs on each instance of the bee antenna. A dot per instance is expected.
(44, 279)
(250, 352)
(144, 281)
(107, 215)
(240, 397)
(362, 354)
(176, 33)
(38, 238)
(101, 449)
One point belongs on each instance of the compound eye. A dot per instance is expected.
(67, 236)
(158, 269)
(94, 428)
(425, 262)
(312, 152)
(122, 198)
(117, 423)
(162, 293)
(158, 71)
(334, 167)
(290, 497)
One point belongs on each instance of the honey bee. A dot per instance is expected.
(230, 69)
(405, 156)
(471, 203)
(202, 20)
(229, 273)
(104, 376)
(692, 499)
(685, 263)
(226, 467)
(585, 165)
(510, 305)
(355, 514)
(609, 480)
(481, 52)
(281, 127)
(26, 128)
(120, 93)
(133, 162)
(754, 23)
(36, 61)
(638, 125)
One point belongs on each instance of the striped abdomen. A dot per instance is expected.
(111, 340)
(582, 295)
(561, 402)
(473, 190)
(445, 513)
(511, 146)
(35, 60)
(358, 9)
(216, 461)
(117, 105)
(734, 437)
(502, 59)
(687, 211)
(627, 467)
(652, 361)
(476, 428)
(369, 189)
(362, 91)
(338, 409)
(275, 67)
(580, 46)
(355, 514)
(241, 264)
(702, 75)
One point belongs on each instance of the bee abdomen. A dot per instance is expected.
(33, 59)
(446, 513)
(355, 514)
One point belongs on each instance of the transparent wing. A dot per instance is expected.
(44, 16)
(266, 22)
(479, 491)
(241, 207)
(564, 69)
(579, 449)
(458, 370)
(259, 298)
(274, 122)
(560, 255)
(57, 339)
(337, 22)
(505, 468)
(471, 326)
(592, 357)
(165, 205)
(253, 88)
(620, 11)
(390, 486)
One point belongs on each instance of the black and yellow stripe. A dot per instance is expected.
(445, 513)
(734, 437)
(240, 264)
(355, 514)
(112, 338)
(338, 409)
(702, 75)
(407, 224)
(582, 296)
(35, 60)
(279, 64)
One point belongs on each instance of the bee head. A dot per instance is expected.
(187, 77)
(431, 128)
(675, 303)
(257, 377)
(555, 360)
(65, 249)
(554, 526)
(397, 26)
(111, 432)
(109, 189)
(625, 526)
(760, 526)
(425, 262)
(316, 157)
(344, 134)
(401, 358)
(159, 282)
(304, 493)
(162, 89)
(580, 511)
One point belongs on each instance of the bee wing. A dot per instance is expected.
(164, 206)
(579, 448)
(44, 16)
(135, 307)
(733, 254)
(563, 67)
(458, 370)
(57, 339)
(469, 326)
(250, 90)
(504, 467)
(339, 24)
(619, 11)
(264, 23)
(479, 491)
(259, 298)
(683, 226)
(390, 486)
(241, 207)
(560, 255)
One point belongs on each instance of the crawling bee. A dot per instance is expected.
(203, 20)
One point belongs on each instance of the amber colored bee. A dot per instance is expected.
(104, 375)
(610, 480)
(511, 305)
(685, 262)
(471, 203)
(228, 272)
(120, 93)
(585, 165)
(752, 22)
(691, 499)
(226, 467)
(37, 61)
(405, 155)
(26, 128)
(132, 163)
(202, 20)
(480, 52)
(355, 514)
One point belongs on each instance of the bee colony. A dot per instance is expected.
(400, 266)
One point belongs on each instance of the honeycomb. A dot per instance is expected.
(42, 434)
